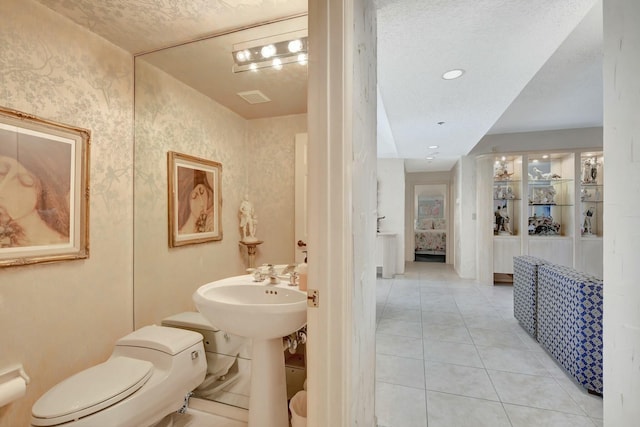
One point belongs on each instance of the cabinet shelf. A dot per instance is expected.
(560, 205)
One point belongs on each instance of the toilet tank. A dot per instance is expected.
(215, 340)
(166, 340)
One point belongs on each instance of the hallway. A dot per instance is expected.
(449, 353)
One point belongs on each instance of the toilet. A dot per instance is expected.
(146, 378)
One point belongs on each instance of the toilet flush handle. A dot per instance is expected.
(194, 354)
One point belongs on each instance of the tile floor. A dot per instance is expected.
(450, 354)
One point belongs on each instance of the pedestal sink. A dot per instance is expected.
(265, 313)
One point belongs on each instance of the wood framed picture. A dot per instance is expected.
(195, 199)
(44, 190)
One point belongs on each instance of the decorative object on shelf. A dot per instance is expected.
(502, 225)
(500, 171)
(44, 205)
(506, 228)
(586, 224)
(585, 194)
(195, 200)
(543, 225)
(543, 196)
(248, 220)
(539, 175)
(503, 193)
(590, 170)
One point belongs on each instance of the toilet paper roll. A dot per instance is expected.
(12, 390)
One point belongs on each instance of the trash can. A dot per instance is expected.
(298, 408)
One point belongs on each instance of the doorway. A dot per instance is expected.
(430, 223)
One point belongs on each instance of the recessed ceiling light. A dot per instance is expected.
(453, 74)
(546, 156)
(430, 157)
(433, 147)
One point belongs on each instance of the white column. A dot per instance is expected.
(342, 219)
(621, 213)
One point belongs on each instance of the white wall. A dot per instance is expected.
(342, 213)
(391, 204)
(622, 213)
(464, 205)
(540, 141)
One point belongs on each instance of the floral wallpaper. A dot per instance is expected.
(56, 70)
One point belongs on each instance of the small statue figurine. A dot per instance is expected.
(586, 226)
(248, 220)
(590, 170)
(506, 228)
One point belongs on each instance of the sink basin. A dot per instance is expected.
(265, 313)
(253, 310)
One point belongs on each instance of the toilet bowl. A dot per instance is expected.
(147, 377)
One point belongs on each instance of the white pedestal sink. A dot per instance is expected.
(264, 313)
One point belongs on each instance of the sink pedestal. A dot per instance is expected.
(268, 398)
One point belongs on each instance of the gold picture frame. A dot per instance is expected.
(195, 199)
(44, 190)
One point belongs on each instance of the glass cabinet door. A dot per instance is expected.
(591, 193)
(507, 180)
(550, 193)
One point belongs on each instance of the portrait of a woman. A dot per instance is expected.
(34, 190)
(195, 201)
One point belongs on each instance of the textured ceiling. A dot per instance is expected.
(530, 65)
(500, 44)
(144, 25)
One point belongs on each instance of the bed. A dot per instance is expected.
(431, 237)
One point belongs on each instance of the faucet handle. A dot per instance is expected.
(293, 278)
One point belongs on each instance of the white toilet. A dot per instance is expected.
(147, 377)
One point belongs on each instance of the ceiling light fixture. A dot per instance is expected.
(272, 52)
(433, 147)
(430, 157)
(453, 74)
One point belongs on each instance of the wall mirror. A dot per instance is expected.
(189, 100)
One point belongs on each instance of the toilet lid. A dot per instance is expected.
(91, 390)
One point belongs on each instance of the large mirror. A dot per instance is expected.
(189, 100)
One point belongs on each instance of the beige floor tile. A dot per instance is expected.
(447, 410)
(460, 380)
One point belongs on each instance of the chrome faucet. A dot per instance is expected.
(271, 273)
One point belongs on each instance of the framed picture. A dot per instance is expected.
(44, 190)
(195, 200)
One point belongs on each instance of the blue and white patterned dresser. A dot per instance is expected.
(525, 291)
(570, 322)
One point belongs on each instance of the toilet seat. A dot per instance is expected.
(80, 395)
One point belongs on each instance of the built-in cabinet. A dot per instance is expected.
(548, 205)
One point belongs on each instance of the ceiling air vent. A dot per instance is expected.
(254, 97)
